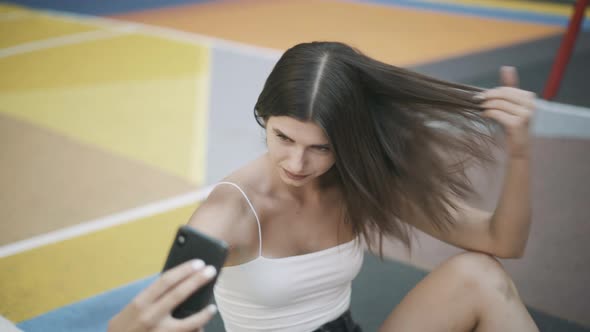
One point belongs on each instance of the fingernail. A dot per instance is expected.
(197, 264)
(479, 96)
(209, 272)
(212, 308)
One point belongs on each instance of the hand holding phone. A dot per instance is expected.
(150, 310)
(190, 244)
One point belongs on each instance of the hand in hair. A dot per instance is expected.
(151, 309)
(513, 109)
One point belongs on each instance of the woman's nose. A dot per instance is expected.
(297, 162)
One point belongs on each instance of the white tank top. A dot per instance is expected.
(290, 294)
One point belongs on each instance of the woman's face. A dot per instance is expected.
(300, 150)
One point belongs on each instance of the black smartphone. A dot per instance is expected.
(191, 244)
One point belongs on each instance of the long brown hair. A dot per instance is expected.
(402, 140)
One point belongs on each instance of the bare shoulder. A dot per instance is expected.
(226, 215)
(221, 211)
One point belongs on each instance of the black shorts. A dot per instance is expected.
(344, 323)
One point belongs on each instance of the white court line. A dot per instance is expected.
(189, 37)
(113, 26)
(105, 222)
(7, 325)
(58, 41)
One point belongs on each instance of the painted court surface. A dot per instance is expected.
(116, 117)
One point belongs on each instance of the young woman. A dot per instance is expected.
(358, 148)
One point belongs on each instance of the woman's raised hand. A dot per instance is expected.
(151, 309)
(513, 108)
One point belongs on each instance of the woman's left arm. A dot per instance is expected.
(513, 109)
(504, 232)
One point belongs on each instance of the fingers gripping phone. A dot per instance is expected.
(191, 244)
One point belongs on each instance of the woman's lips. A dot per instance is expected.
(294, 176)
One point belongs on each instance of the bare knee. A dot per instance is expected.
(482, 275)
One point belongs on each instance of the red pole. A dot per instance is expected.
(565, 50)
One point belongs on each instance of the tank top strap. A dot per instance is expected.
(253, 211)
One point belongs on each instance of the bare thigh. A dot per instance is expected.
(466, 292)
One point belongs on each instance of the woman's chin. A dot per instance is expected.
(293, 183)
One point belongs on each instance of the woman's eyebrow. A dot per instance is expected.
(280, 133)
(323, 146)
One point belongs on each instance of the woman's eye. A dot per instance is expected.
(323, 149)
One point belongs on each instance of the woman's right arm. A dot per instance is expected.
(225, 215)
(222, 215)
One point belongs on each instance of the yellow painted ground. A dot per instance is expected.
(138, 96)
(34, 27)
(134, 95)
(36, 281)
(8, 8)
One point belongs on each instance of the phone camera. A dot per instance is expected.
(181, 240)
